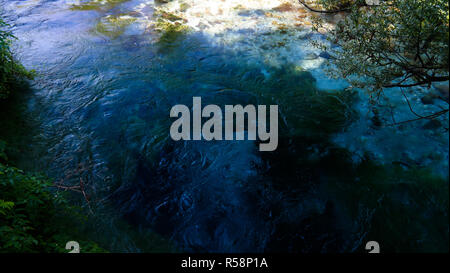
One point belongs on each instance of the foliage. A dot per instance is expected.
(34, 217)
(338, 5)
(11, 71)
(399, 43)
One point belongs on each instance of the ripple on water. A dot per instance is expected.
(105, 89)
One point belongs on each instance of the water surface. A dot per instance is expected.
(99, 111)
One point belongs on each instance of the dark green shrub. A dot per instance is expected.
(11, 71)
(33, 216)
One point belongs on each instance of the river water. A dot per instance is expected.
(98, 111)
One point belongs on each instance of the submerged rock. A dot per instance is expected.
(428, 99)
(310, 56)
(245, 13)
(443, 90)
(284, 7)
(325, 55)
(432, 125)
(114, 26)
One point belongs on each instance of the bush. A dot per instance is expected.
(11, 71)
(33, 216)
(401, 43)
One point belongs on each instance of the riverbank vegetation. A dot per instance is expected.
(385, 44)
(11, 71)
(33, 216)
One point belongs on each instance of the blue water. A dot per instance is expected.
(99, 110)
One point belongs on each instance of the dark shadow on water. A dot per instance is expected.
(200, 195)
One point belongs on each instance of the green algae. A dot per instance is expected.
(184, 7)
(97, 5)
(113, 26)
(171, 29)
(171, 32)
(167, 15)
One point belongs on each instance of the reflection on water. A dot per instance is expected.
(109, 72)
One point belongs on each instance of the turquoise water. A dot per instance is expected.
(99, 110)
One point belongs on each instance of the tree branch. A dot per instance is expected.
(432, 116)
(322, 11)
(428, 81)
(332, 11)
